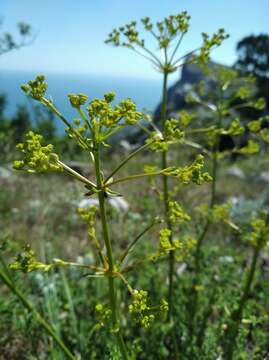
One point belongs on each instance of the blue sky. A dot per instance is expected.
(70, 34)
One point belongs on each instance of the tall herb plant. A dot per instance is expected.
(91, 131)
(167, 35)
(100, 119)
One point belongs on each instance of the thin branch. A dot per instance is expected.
(143, 128)
(136, 176)
(176, 48)
(153, 55)
(186, 55)
(84, 117)
(145, 57)
(138, 237)
(50, 105)
(76, 175)
(125, 161)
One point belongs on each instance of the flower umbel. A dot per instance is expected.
(106, 119)
(37, 158)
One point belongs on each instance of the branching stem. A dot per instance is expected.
(111, 280)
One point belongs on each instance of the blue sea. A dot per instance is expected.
(145, 93)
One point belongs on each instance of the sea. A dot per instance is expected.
(146, 93)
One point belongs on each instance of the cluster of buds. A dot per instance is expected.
(37, 88)
(183, 247)
(258, 104)
(176, 214)
(171, 134)
(235, 128)
(185, 118)
(167, 32)
(210, 42)
(140, 309)
(164, 31)
(258, 237)
(37, 158)
(243, 93)
(191, 173)
(102, 113)
(165, 244)
(103, 314)
(88, 215)
(26, 262)
(220, 213)
(77, 100)
(257, 128)
(252, 147)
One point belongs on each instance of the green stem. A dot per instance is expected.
(166, 200)
(146, 130)
(153, 56)
(175, 63)
(197, 256)
(176, 47)
(145, 56)
(50, 105)
(171, 280)
(30, 307)
(76, 175)
(134, 153)
(111, 280)
(212, 200)
(214, 178)
(84, 118)
(133, 243)
(168, 222)
(207, 224)
(136, 176)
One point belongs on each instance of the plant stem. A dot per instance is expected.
(136, 176)
(166, 200)
(111, 285)
(51, 106)
(197, 256)
(168, 222)
(214, 178)
(176, 47)
(207, 224)
(30, 307)
(76, 175)
(133, 243)
(126, 160)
